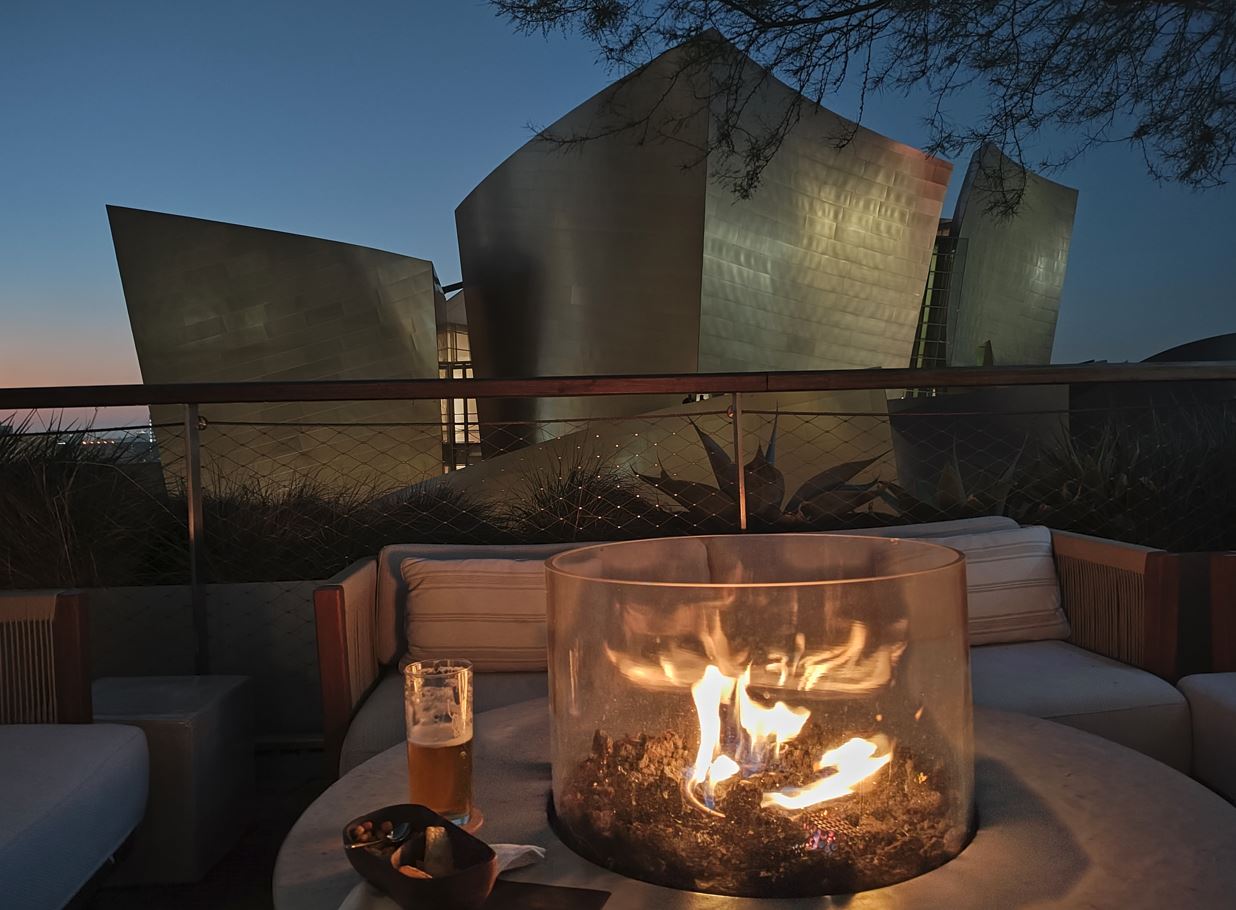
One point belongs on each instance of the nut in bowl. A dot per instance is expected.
(438, 865)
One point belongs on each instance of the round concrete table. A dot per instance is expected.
(1066, 820)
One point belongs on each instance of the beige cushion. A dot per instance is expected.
(392, 593)
(1212, 704)
(1011, 584)
(490, 611)
(1062, 682)
(378, 724)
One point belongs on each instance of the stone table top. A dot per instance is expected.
(1066, 821)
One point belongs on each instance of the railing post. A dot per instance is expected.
(193, 496)
(740, 460)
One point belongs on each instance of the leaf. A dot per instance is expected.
(950, 491)
(701, 501)
(839, 502)
(723, 468)
(772, 438)
(909, 507)
(830, 479)
(999, 492)
(765, 487)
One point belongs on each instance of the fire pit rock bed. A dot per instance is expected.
(757, 718)
(624, 809)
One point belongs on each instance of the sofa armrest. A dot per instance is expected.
(344, 610)
(44, 658)
(71, 637)
(1134, 604)
(1103, 592)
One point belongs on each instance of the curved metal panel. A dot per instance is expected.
(824, 266)
(586, 260)
(621, 256)
(1014, 270)
(210, 301)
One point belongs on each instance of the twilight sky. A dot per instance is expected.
(368, 122)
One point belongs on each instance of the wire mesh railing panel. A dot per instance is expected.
(287, 504)
(95, 507)
(87, 507)
(265, 630)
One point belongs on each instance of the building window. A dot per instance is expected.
(461, 430)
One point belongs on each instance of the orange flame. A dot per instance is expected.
(854, 761)
(756, 734)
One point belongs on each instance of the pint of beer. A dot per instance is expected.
(438, 714)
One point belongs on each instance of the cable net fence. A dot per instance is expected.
(288, 505)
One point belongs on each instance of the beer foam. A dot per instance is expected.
(437, 736)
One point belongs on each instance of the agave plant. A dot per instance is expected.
(827, 498)
(952, 496)
(1162, 479)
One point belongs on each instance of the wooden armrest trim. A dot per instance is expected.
(1126, 557)
(1106, 607)
(1177, 621)
(70, 644)
(1163, 577)
(332, 638)
(1223, 612)
(343, 610)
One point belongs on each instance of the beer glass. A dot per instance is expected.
(437, 700)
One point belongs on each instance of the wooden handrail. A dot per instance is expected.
(567, 386)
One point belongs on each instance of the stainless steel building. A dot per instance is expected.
(1009, 289)
(624, 255)
(215, 302)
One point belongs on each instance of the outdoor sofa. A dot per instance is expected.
(1104, 663)
(71, 791)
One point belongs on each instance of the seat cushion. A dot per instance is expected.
(378, 724)
(1212, 704)
(1062, 682)
(90, 779)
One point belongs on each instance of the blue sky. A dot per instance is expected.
(369, 122)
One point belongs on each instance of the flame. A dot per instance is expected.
(722, 768)
(856, 662)
(780, 723)
(708, 693)
(754, 734)
(854, 760)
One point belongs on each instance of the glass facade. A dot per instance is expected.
(461, 431)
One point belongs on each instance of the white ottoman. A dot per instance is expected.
(70, 794)
(200, 733)
(1212, 701)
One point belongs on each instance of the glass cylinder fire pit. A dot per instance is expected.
(777, 715)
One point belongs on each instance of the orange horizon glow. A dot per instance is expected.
(97, 360)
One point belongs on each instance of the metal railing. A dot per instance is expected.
(1142, 452)
(102, 396)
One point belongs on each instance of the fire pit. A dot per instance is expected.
(779, 715)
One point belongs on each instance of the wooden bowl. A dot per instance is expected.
(476, 865)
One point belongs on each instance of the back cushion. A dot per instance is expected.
(1013, 591)
(489, 611)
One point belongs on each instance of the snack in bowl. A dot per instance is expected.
(439, 865)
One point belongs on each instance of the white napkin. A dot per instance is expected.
(510, 856)
(516, 856)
